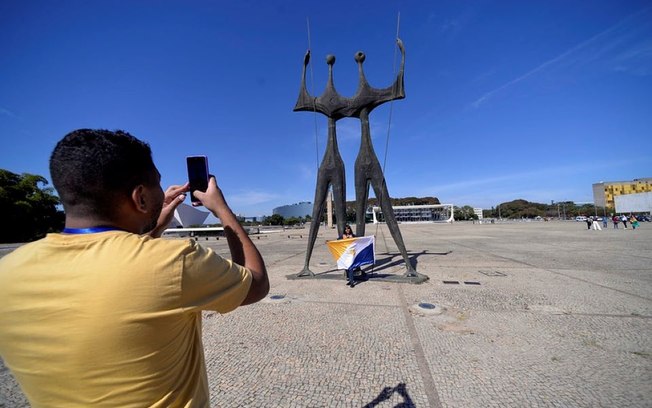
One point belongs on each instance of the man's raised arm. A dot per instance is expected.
(243, 250)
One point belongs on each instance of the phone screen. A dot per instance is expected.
(197, 174)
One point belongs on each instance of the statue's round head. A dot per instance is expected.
(359, 57)
(330, 59)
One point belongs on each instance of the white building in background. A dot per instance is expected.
(417, 213)
(633, 203)
(478, 212)
(298, 210)
(186, 215)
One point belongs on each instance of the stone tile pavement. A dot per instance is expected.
(561, 317)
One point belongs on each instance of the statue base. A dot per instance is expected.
(408, 277)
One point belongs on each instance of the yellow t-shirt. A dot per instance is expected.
(112, 318)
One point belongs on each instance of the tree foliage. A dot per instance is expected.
(517, 209)
(292, 221)
(274, 219)
(464, 213)
(28, 208)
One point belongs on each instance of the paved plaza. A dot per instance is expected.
(532, 314)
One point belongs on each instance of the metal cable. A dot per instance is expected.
(389, 126)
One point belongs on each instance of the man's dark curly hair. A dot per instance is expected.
(91, 169)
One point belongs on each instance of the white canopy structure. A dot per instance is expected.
(186, 215)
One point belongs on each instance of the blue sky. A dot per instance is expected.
(505, 99)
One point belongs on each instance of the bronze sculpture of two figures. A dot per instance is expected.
(367, 168)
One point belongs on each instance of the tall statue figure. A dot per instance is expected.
(331, 170)
(367, 168)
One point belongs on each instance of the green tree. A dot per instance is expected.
(274, 219)
(292, 221)
(522, 209)
(29, 209)
(465, 213)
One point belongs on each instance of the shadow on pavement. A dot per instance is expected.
(389, 262)
(387, 393)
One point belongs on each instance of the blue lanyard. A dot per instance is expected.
(91, 230)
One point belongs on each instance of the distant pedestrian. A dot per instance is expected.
(596, 224)
(623, 218)
(634, 222)
(605, 220)
(615, 220)
(589, 221)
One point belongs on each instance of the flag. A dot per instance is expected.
(353, 252)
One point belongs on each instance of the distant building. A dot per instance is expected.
(417, 213)
(255, 218)
(186, 216)
(298, 210)
(478, 212)
(604, 193)
(634, 203)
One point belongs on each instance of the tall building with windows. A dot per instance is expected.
(604, 192)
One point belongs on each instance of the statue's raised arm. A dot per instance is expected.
(399, 87)
(367, 97)
(305, 102)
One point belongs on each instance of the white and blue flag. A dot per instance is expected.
(353, 252)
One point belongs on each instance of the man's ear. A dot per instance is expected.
(139, 198)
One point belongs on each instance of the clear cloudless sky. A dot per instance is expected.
(505, 99)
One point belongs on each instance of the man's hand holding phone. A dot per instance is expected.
(197, 176)
(202, 186)
(173, 197)
(243, 251)
(213, 199)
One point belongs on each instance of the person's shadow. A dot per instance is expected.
(387, 393)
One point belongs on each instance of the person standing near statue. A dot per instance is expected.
(348, 232)
(350, 273)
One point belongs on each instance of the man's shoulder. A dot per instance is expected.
(179, 246)
(115, 243)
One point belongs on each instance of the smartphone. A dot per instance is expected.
(197, 175)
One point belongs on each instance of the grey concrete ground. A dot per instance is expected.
(561, 317)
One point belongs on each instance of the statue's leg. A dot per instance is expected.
(380, 189)
(317, 210)
(361, 200)
(339, 196)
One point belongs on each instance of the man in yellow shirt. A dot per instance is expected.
(107, 314)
